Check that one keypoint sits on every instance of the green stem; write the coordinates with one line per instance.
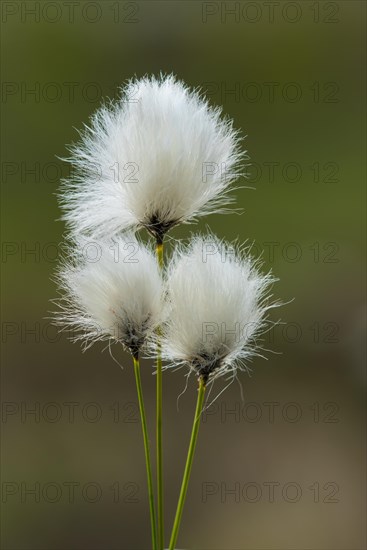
(146, 449)
(159, 253)
(189, 460)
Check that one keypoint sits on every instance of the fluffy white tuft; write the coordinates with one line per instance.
(217, 307)
(157, 157)
(111, 289)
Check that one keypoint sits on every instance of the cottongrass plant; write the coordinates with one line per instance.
(218, 301)
(111, 290)
(159, 156)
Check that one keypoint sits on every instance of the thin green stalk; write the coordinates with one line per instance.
(189, 460)
(159, 253)
(147, 452)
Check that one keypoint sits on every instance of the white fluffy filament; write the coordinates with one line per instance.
(157, 157)
(217, 307)
(111, 290)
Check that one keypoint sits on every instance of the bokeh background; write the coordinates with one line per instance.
(284, 468)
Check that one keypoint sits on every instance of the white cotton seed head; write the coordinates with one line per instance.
(217, 307)
(110, 289)
(158, 157)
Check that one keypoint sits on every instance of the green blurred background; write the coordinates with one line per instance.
(284, 469)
